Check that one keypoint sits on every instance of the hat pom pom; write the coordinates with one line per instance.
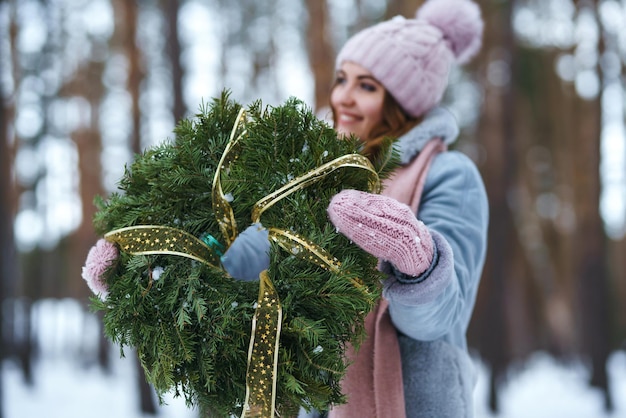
(461, 23)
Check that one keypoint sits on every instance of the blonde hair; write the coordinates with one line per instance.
(395, 123)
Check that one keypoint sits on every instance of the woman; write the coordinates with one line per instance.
(428, 227)
(390, 80)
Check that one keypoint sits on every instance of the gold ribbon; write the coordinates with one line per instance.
(261, 376)
(263, 352)
(221, 208)
(154, 239)
(299, 183)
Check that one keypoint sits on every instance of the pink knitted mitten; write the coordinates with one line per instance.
(385, 228)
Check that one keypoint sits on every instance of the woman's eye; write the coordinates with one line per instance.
(340, 80)
(368, 87)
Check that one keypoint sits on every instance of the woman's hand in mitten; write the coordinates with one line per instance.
(385, 228)
(249, 254)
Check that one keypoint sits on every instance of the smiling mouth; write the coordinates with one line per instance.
(348, 118)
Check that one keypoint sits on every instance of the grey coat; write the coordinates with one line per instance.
(432, 312)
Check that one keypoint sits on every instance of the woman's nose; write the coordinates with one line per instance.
(344, 95)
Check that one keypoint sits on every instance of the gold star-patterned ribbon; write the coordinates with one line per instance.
(221, 208)
(262, 366)
(346, 161)
(263, 352)
(154, 239)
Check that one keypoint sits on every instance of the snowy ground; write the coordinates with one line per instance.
(65, 388)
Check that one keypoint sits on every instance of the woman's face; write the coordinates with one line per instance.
(357, 101)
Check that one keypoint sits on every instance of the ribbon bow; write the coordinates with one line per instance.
(262, 365)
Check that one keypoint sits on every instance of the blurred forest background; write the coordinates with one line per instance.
(85, 84)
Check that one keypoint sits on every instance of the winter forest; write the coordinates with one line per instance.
(87, 84)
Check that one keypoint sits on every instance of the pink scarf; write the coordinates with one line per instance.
(373, 382)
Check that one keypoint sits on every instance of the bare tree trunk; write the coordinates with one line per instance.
(6, 239)
(590, 261)
(21, 341)
(500, 171)
(86, 83)
(7, 248)
(552, 112)
(126, 33)
(135, 73)
(147, 403)
(404, 8)
(171, 8)
(320, 50)
(618, 273)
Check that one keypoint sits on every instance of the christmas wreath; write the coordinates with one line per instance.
(233, 347)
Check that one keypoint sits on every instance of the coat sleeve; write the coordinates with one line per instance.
(455, 209)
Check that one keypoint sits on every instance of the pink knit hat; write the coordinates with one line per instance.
(412, 57)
